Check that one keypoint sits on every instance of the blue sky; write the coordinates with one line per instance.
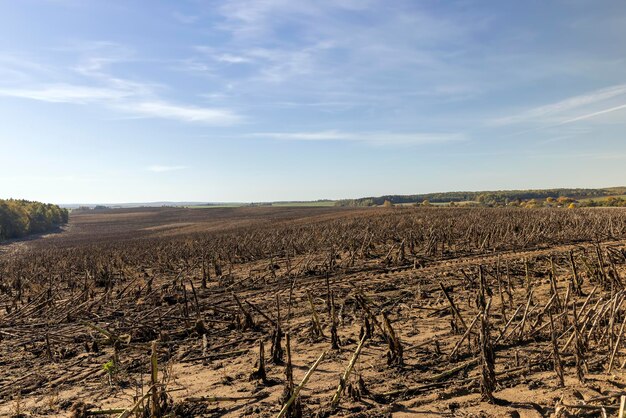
(122, 101)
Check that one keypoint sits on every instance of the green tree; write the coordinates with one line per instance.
(22, 217)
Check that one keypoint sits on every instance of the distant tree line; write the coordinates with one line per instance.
(613, 201)
(486, 198)
(19, 218)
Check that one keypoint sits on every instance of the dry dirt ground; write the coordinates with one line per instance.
(48, 365)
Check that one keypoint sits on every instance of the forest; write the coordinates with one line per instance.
(19, 218)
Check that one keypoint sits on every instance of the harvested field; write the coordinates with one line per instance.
(469, 312)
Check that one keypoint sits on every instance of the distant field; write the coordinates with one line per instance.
(320, 204)
(233, 205)
(324, 203)
(139, 223)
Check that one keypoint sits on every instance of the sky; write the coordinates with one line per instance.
(223, 101)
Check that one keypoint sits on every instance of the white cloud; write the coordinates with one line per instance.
(338, 56)
(165, 110)
(378, 138)
(17, 68)
(232, 59)
(306, 136)
(126, 101)
(594, 114)
(99, 86)
(66, 93)
(165, 168)
(563, 112)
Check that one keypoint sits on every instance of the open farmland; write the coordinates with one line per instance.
(221, 312)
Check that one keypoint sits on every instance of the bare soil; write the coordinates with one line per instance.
(124, 278)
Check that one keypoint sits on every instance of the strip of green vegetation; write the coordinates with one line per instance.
(603, 198)
(19, 218)
(488, 198)
(609, 201)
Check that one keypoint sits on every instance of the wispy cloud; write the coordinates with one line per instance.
(66, 93)
(164, 110)
(378, 138)
(321, 57)
(18, 68)
(165, 168)
(232, 59)
(98, 86)
(594, 114)
(266, 64)
(125, 101)
(568, 110)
